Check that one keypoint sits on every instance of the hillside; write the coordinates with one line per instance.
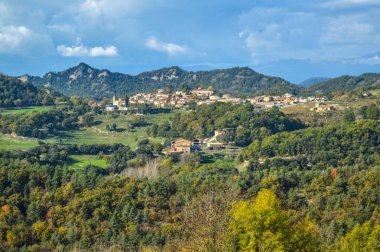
(347, 83)
(18, 92)
(313, 80)
(89, 82)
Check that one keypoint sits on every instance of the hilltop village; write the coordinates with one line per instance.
(199, 96)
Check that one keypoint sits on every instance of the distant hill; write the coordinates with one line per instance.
(16, 92)
(88, 82)
(347, 83)
(313, 80)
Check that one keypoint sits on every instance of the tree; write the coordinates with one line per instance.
(88, 119)
(349, 115)
(126, 100)
(362, 238)
(185, 88)
(264, 226)
(192, 105)
(169, 89)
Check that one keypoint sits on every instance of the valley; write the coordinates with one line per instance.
(152, 171)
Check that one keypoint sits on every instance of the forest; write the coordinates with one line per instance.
(280, 204)
(291, 186)
(241, 123)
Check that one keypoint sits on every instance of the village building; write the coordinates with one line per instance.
(202, 92)
(110, 108)
(180, 146)
(322, 107)
(267, 98)
(118, 102)
(214, 143)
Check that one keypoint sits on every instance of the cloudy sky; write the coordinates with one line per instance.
(292, 39)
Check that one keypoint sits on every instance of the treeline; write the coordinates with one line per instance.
(15, 93)
(241, 123)
(334, 145)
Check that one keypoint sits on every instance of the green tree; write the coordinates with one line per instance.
(349, 115)
(88, 119)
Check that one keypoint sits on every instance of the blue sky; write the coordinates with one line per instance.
(291, 39)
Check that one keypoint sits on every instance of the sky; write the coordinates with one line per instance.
(291, 39)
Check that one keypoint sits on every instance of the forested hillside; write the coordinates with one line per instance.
(347, 83)
(15, 93)
(308, 201)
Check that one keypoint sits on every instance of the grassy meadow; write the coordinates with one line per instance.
(81, 161)
(25, 110)
(98, 134)
(15, 142)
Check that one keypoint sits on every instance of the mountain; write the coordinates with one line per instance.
(313, 80)
(89, 82)
(15, 92)
(347, 83)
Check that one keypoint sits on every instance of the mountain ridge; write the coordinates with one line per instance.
(312, 81)
(86, 81)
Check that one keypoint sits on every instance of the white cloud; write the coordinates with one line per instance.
(105, 10)
(372, 59)
(348, 30)
(11, 37)
(170, 48)
(79, 50)
(280, 34)
(335, 4)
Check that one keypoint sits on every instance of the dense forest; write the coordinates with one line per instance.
(303, 189)
(281, 203)
(15, 93)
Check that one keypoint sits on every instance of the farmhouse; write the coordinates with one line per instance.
(214, 142)
(321, 107)
(180, 146)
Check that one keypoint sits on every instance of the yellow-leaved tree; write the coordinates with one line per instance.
(262, 225)
(362, 238)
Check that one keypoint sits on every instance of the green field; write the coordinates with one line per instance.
(7, 142)
(25, 110)
(81, 161)
(98, 134)
(93, 135)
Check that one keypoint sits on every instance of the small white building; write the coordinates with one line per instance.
(110, 108)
